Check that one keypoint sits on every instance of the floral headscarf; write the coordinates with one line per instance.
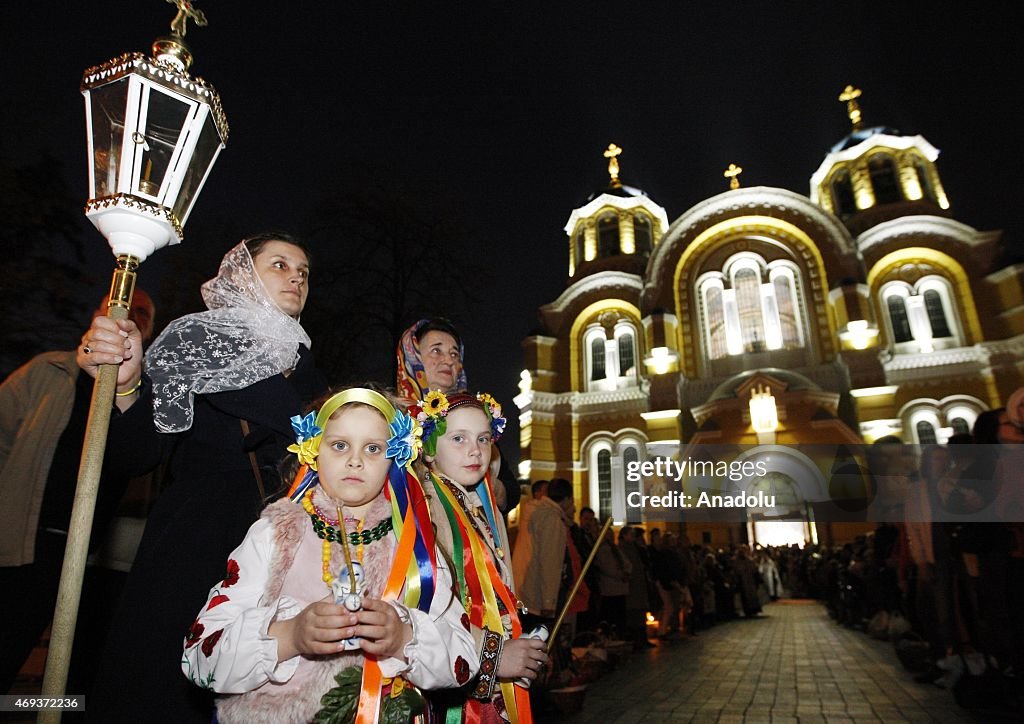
(244, 338)
(412, 378)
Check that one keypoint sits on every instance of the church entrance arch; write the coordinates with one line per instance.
(791, 484)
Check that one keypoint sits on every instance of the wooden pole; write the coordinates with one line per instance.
(579, 581)
(76, 552)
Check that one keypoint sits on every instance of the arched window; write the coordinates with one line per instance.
(627, 354)
(961, 414)
(924, 314)
(842, 194)
(609, 462)
(747, 283)
(610, 357)
(898, 318)
(607, 235)
(642, 234)
(789, 319)
(883, 179)
(927, 190)
(936, 314)
(923, 419)
(714, 316)
(960, 426)
(580, 246)
(750, 306)
(597, 366)
(630, 458)
(926, 433)
(604, 484)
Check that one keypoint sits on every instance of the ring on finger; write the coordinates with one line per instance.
(87, 349)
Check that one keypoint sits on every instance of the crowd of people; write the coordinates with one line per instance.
(635, 572)
(945, 567)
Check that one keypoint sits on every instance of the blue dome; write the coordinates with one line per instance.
(624, 191)
(863, 134)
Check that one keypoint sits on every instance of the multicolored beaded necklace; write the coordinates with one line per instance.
(325, 529)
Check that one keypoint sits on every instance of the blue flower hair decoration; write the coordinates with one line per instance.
(493, 410)
(404, 444)
(307, 439)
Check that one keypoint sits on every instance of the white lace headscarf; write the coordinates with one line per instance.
(242, 339)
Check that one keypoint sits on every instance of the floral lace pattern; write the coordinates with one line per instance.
(243, 338)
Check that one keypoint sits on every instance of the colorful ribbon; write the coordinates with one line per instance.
(481, 587)
(415, 564)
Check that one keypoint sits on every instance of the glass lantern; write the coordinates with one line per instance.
(153, 134)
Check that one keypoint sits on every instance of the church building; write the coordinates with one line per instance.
(769, 323)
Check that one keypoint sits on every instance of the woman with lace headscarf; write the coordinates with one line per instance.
(213, 406)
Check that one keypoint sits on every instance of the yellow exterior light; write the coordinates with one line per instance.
(764, 415)
(859, 335)
(661, 360)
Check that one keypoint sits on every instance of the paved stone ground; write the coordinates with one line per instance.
(794, 664)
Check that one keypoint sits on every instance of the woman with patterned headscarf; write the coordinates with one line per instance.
(429, 357)
(213, 406)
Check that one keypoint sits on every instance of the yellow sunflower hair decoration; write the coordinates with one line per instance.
(435, 404)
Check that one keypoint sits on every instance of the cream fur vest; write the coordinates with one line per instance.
(298, 700)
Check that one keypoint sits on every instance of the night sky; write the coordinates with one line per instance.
(500, 112)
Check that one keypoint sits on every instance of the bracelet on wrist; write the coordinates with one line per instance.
(132, 391)
(490, 656)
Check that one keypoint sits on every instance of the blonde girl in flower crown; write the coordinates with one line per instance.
(337, 598)
(458, 432)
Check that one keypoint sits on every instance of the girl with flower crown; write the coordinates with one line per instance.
(458, 432)
(337, 600)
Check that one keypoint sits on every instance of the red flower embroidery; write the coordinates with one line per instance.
(217, 600)
(195, 632)
(461, 670)
(465, 621)
(232, 577)
(211, 641)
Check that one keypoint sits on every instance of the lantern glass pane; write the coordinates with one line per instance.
(165, 117)
(197, 167)
(108, 104)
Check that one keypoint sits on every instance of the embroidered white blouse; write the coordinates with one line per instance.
(230, 651)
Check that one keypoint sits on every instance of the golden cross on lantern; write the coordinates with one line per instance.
(733, 174)
(849, 96)
(612, 154)
(186, 12)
